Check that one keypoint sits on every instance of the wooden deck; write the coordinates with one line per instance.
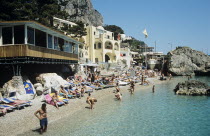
(34, 51)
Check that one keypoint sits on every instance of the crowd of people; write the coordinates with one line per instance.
(78, 86)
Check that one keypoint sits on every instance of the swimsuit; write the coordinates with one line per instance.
(43, 122)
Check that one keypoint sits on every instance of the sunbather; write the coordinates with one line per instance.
(55, 99)
(42, 117)
(63, 91)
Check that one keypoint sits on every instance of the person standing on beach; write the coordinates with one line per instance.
(153, 88)
(91, 101)
(118, 95)
(132, 86)
(42, 117)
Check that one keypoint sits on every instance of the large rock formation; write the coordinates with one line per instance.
(192, 87)
(186, 61)
(16, 85)
(48, 82)
(82, 10)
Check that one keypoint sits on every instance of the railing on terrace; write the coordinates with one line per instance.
(34, 51)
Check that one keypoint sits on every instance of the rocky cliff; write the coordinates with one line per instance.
(82, 10)
(186, 61)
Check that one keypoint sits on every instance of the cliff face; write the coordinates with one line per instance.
(82, 10)
(186, 61)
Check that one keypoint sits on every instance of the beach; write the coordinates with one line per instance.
(24, 120)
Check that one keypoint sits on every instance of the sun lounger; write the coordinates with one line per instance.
(49, 100)
(7, 107)
(61, 98)
(94, 87)
(27, 103)
(68, 95)
(12, 103)
(89, 91)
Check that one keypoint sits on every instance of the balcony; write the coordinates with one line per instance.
(36, 53)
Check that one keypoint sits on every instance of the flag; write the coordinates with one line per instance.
(145, 33)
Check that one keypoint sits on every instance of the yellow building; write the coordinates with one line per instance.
(102, 46)
(99, 44)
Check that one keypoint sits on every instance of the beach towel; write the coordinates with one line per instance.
(48, 99)
(28, 87)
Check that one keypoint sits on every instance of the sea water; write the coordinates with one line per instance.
(143, 114)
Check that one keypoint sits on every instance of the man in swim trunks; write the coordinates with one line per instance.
(132, 86)
(42, 117)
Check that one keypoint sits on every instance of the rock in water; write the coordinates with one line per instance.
(192, 87)
(82, 10)
(186, 61)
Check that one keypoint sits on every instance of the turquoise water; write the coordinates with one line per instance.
(142, 114)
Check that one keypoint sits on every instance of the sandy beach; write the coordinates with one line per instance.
(21, 121)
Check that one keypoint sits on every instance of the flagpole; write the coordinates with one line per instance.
(145, 55)
(146, 35)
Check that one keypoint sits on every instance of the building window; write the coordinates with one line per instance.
(50, 43)
(30, 34)
(19, 34)
(56, 43)
(124, 54)
(66, 46)
(96, 60)
(99, 45)
(40, 37)
(80, 46)
(7, 35)
(70, 47)
(61, 44)
(94, 46)
(94, 33)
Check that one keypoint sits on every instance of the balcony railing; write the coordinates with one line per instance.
(35, 51)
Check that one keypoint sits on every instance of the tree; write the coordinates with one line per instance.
(134, 44)
(115, 29)
(18, 10)
(76, 31)
(42, 11)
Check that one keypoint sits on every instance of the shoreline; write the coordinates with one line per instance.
(23, 121)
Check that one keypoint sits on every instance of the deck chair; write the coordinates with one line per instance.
(94, 87)
(12, 103)
(61, 98)
(27, 103)
(7, 107)
(49, 100)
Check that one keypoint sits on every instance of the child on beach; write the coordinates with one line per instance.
(42, 117)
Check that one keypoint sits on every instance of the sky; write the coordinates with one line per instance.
(169, 23)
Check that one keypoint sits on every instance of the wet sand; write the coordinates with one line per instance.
(21, 121)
